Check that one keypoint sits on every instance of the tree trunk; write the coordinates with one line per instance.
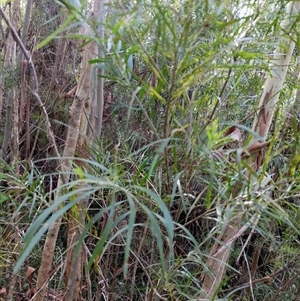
(220, 252)
(74, 265)
(75, 137)
(11, 125)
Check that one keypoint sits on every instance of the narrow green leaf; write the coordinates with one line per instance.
(56, 32)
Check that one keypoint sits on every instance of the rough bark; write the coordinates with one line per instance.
(279, 64)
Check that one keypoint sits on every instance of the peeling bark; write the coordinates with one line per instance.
(74, 266)
(221, 250)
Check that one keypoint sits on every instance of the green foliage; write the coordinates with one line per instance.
(165, 179)
(10, 77)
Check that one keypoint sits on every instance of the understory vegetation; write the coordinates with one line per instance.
(150, 150)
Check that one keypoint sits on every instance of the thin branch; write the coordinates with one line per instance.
(35, 82)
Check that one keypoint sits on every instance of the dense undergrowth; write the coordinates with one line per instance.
(166, 177)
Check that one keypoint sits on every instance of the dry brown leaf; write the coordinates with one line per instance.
(31, 292)
(29, 273)
(235, 135)
(72, 92)
(256, 147)
(229, 131)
